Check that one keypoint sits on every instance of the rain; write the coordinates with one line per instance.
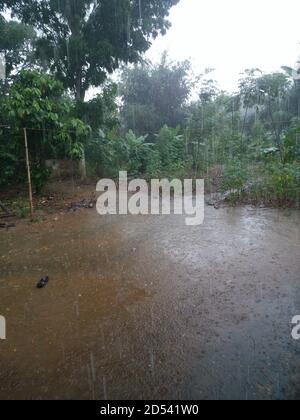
(118, 282)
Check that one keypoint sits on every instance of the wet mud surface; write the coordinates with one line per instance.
(144, 307)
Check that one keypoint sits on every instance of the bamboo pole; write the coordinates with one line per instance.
(28, 173)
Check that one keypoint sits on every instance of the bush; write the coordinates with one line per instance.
(170, 146)
(39, 177)
(278, 185)
(154, 165)
(108, 154)
(235, 177)
(283, 182)
(292, 144)
(37, 101)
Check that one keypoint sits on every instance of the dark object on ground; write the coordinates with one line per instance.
(43, 282)
(83, 204)
(217, 199)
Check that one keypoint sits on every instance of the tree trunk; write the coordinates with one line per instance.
(80, 91)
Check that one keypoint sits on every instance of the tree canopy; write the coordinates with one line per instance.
(15, 43)
(81, 41)
(155, 95)
(37, 102)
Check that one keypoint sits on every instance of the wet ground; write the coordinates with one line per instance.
(144, 307)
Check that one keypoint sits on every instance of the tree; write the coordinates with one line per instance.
(294, 96)
(15, 43)
(102, 111)
(274, 91)
(83, 40)
(37, 102)
(208, 119)
(155, 95)
(249, 94)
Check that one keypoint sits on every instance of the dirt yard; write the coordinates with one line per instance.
(145, 307)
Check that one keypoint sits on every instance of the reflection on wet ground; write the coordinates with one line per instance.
(146, 307)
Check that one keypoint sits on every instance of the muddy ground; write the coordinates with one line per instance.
(144, 307)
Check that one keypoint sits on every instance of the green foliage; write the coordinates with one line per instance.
(251, 139)
(16, 42)
(283, 182)
(110, 154)
(107, 155)
(278, 185)
(101, 112)
(39, 177)
(8, 158)
(71, 138)
(36, 102)
(22, 212)
(154, 168)
(80, 41)
(155, 95)
(137, 153)
(170, 146)
(292, 143)
(235, 176)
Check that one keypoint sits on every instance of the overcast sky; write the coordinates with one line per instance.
(232, 35)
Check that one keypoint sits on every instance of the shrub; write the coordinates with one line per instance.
(235, 177)
(283, 182)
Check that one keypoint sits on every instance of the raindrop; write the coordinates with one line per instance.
(120, 348)
(152, 318)
(141, 14)
(128, 30)
(91, 383)
(93, 367)
(68, 50)
(55, 52)
(104, 389)
(76, 309)
(152, 362)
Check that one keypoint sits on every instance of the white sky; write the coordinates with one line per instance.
(232, 35)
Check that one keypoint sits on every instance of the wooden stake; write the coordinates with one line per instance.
(28, 174)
